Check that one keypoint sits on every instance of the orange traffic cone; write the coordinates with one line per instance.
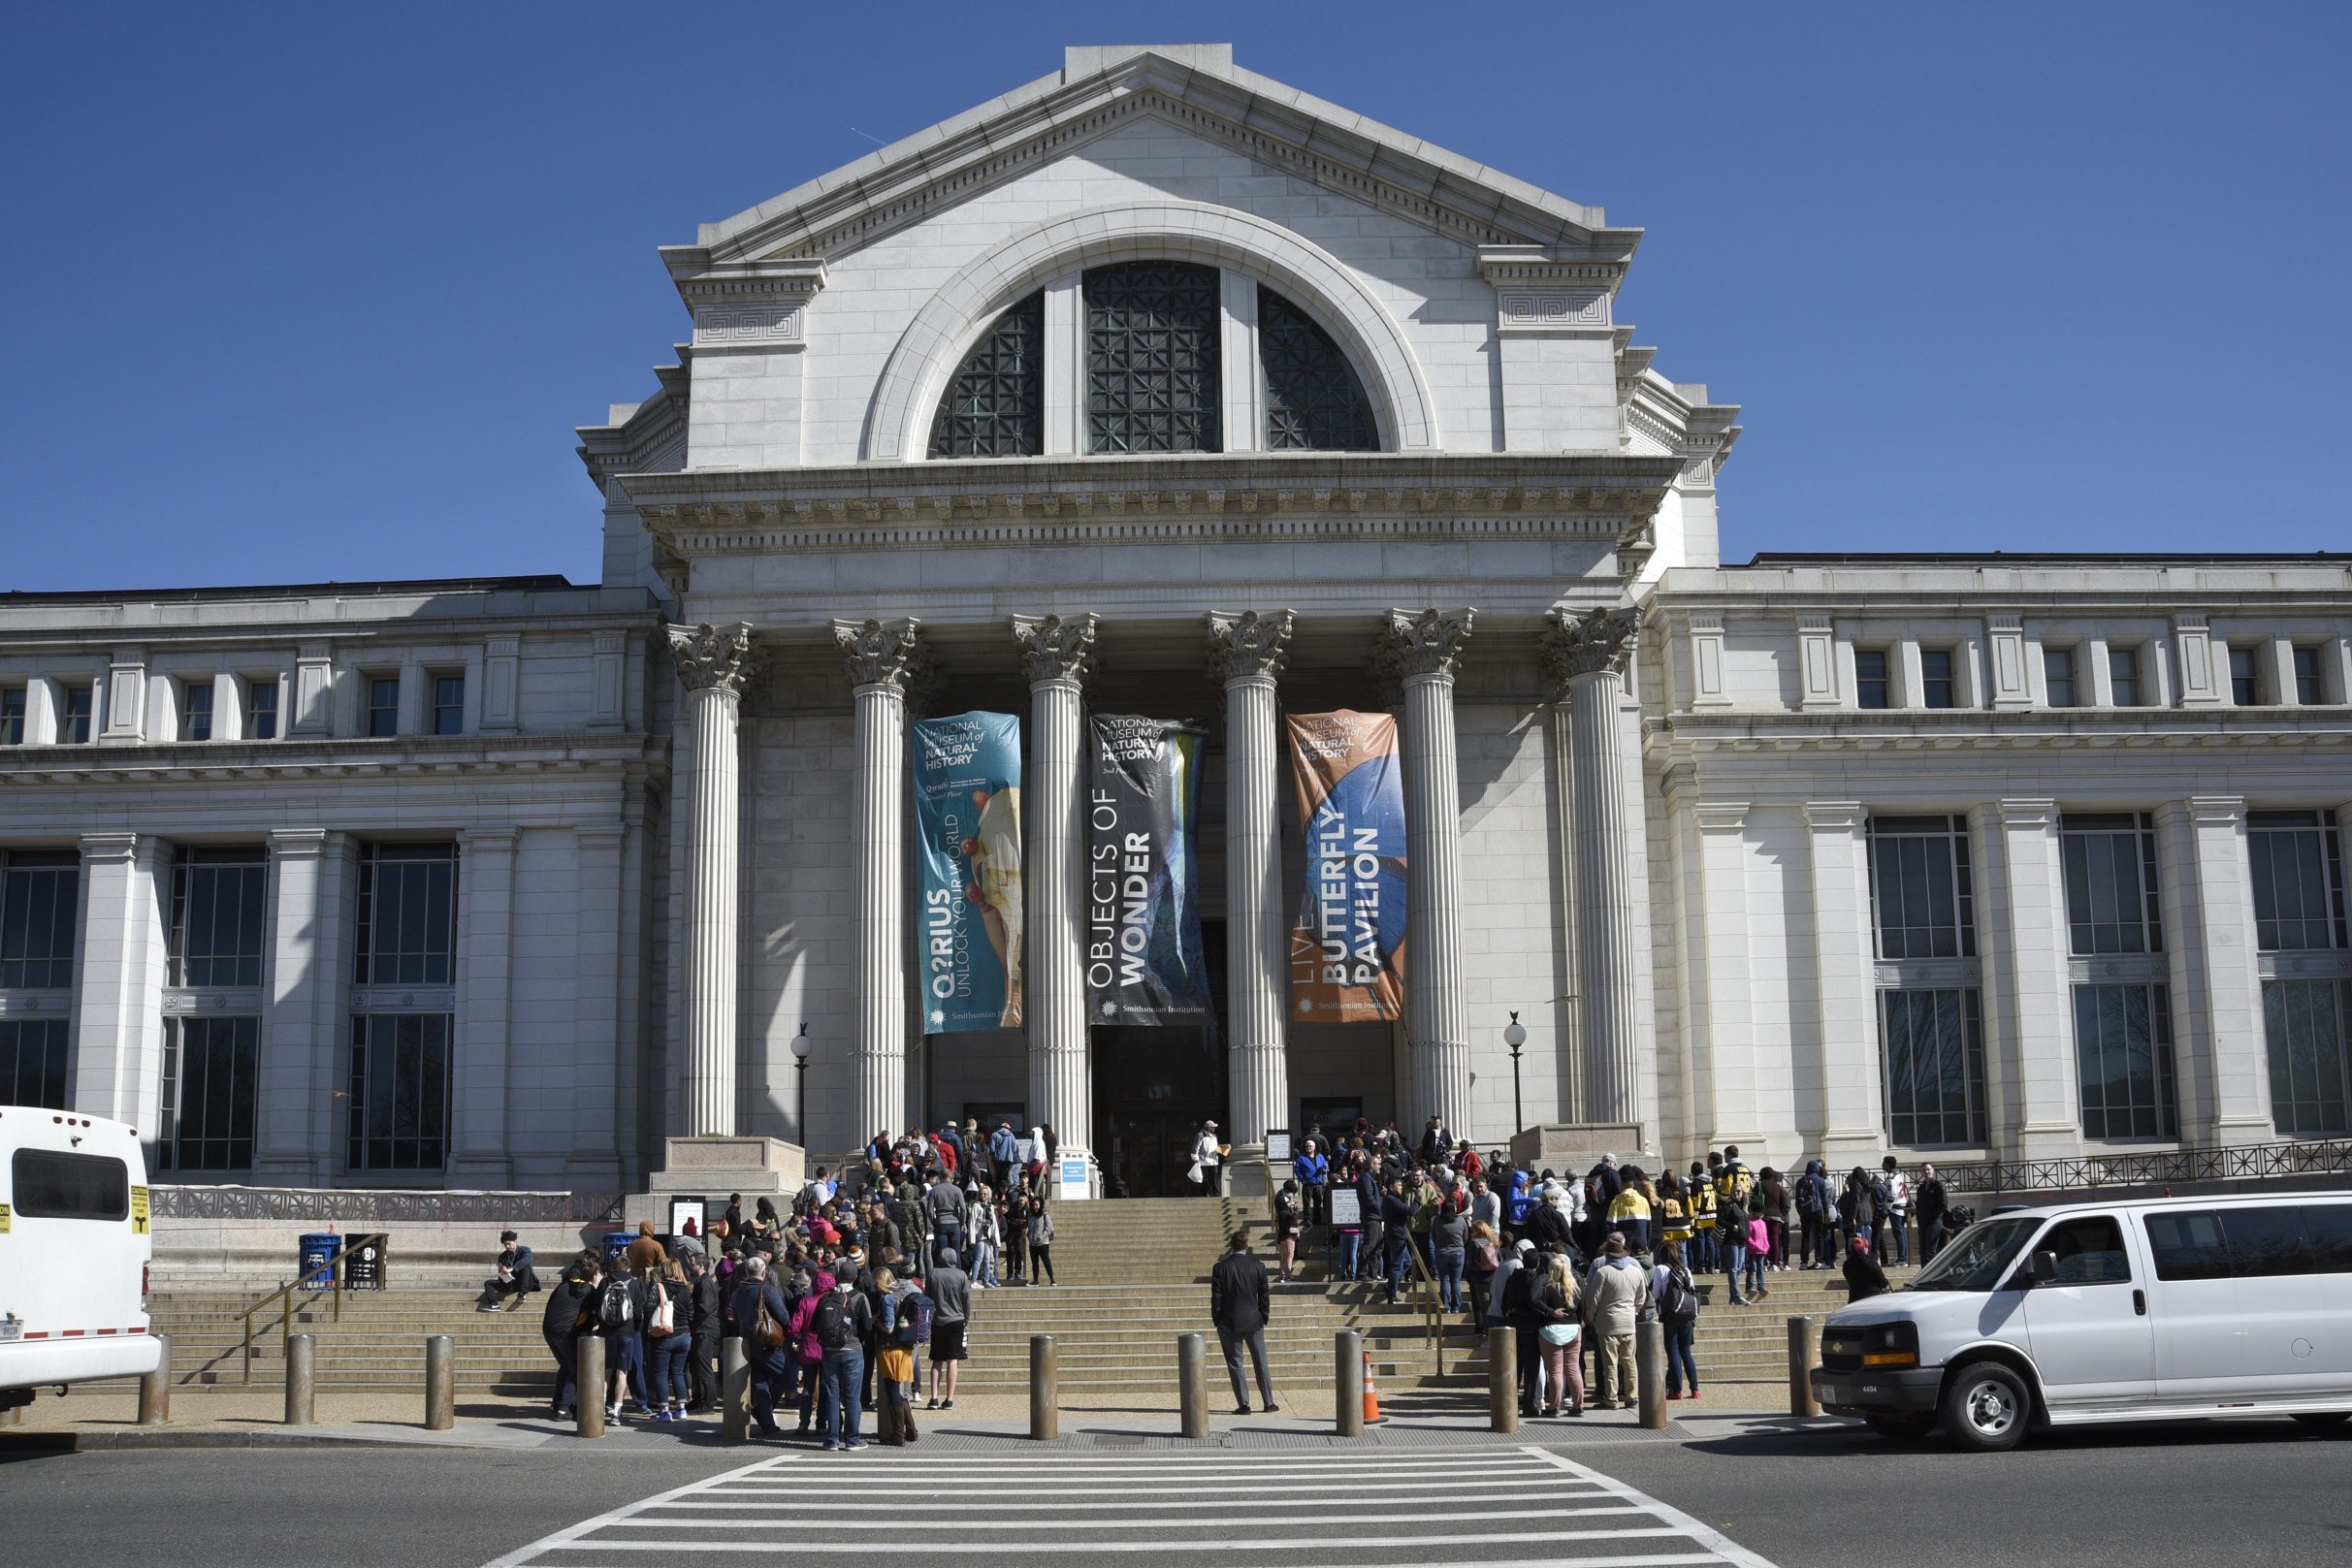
(1371, 1391)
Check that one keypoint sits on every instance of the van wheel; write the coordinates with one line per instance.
(1986, 1407)
(2324, 1420)
(1901, 1429)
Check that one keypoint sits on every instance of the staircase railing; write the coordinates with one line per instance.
(1432, 1310)
(331, 1269)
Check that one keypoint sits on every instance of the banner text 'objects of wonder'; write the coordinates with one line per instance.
(1347, 949)
(1144, 959)
(968, 801)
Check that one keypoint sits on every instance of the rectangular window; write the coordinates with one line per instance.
(2252, 1242)
(196, 714)
(39, 907)
(73, 715)
(1870, 689)
(32, 1061)
(400, 1092)
(1920, 896)
(2123, 1055)
(2245, 678)
(261, 710)
(2304, 1022)
(449, 705)
(2308, 690)
(52, 1185)
(1937, 688)
(2299, 881)
(11, 715)
(1932, 1050)
(2089, 1250)
(218, 901)
(2123, 675)
(407, 914)
(2110, 884)
(383, 705)
(208, 1066)
(2058, 676)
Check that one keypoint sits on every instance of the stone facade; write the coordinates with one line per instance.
(1660, 805)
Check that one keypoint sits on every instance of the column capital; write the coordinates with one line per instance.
(718, 658)
(1248, 646)
(601, 835)
(2218, 810)
(1834, 815)
(1598, 642)
(298, 842)
(499, 839)
(1056, 647)
(2029, 812)
(108, 847)
(1423, 643)
(881, 653)
(1721, 815)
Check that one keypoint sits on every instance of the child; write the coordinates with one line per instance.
(1759, 1251)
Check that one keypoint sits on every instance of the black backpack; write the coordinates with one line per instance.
(832, 1321)
(1679, 1300)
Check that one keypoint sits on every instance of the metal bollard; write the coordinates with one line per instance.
(1347, 1382)
(440, 1383)
(735, 1391)
(588, 1393)
(1045, 1390)
(301, 1407)
(1804, 1353)
(1192, 1384)
(1650, 1372)
(155, 1387)
(1502, 1378)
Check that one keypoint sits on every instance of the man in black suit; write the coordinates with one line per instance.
(1240, 1301)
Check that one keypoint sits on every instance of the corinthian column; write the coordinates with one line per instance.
(715, 663)
(1245, 652)
(883, 656)
(1419, 652)
(1056, 654)
(1586, 658)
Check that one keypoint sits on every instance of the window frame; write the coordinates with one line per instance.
(16, 710)
(76, 710)
(2245, 675)
(445, 716)
(2052, 679)
(61, 870)
(257, 714)
(241, 1094)
(1864, 681)
(1896, 833)
(2123, 672)
(425, 965)
(436, 1032)
(195, 709)
(374, 711)
(1949, 682)
(2306, 663)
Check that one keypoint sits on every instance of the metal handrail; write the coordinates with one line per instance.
(283, 1296)
(2314, 1157)
(1432, 1311)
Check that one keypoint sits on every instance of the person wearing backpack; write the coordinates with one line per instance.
(841, 1322)
(906, 1324)
(1814, 1201)
(621, 1308)
(571, 1315)
(1677, 1295)
(760, 1315)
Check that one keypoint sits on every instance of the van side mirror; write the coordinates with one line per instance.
(2042, 1268)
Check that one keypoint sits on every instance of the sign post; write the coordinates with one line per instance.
(1278, 1145)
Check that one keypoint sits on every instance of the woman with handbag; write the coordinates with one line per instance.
(668, 1337)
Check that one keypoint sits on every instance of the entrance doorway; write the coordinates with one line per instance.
(1153, 1088)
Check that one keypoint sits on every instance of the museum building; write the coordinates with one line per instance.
(1155, 386)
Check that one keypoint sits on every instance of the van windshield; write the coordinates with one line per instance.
(1981, 1259)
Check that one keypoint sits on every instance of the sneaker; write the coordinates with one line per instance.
(853, 1446)
(931, 1403)
(831, 1445)
(1274, 1410)
(1672, 1394)
(1241, 1410)
(946, 1404)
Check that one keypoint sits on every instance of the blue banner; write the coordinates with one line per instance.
(968, 801)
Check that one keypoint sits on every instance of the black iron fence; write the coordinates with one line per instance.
(381, 1207)
(2250, 1162)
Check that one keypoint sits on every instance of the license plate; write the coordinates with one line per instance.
(11, 1328)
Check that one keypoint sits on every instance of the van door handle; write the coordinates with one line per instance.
(2138, 1301)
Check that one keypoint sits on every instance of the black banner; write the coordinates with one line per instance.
(1143, 961)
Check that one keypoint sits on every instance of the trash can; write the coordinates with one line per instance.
(312, 1254)
(616, 1242)
(364, 1266)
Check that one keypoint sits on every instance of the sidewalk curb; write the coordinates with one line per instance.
(89, 1442)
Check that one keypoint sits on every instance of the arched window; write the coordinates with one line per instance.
(995, 406)
(1313, 401)
(1152, 330)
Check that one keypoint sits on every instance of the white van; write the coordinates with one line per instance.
(2126, 1311)
(75, 1240)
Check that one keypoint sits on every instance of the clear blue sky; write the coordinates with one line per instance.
(297, 293)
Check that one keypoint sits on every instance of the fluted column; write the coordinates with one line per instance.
(1245, 653)
(1056, 653)
(1587, 656)
(884, 657)
(1420, 651)
(715, 663)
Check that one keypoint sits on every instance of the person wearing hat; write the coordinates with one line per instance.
(1207, 1153)
(1616, 1294)
(1865, 1278)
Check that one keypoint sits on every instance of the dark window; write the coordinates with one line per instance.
(1932, 1046)
(262, 701)
(1870, 676)
(2111, 904)
(383, 705)
(1920, 888)
(2058, 676)
(1936, 687)
(11, 715)
(208, 1066)
(400, 1092)
(1313, 401)
(407, 914)
(52, 1185)
(2245, 678)
(40, 904)
(2307, 688)
(995, 406)
(2091, 1251)
(2123, 675)
(2188, 1246)
(2299, 881)
(218, 897)
(449, 705)
(196, 725)
(2123, 1055)
(2304, 1026)
(1152, 340)
(2253, 1242)
(74, 717)
(32, 1061)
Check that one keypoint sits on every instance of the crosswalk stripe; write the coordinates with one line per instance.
(1121, 1505)
(1722, 1545)
(1285, 1543)
(1433, 1491)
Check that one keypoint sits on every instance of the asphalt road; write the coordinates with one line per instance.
(2251, 1493)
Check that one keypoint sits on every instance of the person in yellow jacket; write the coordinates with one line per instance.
(1702, 1219)
(1629, 1212)
(1673, 1213)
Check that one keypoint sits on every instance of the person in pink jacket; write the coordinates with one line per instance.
(1759, 1251)
(807, 1355)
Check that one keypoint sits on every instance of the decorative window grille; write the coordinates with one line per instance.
(1313, 401)
(995, 406)
(1153, 334)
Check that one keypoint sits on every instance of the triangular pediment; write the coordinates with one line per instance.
(1196, 87)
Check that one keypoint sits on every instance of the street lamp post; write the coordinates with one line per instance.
(802, 1048)
(1516, 1036)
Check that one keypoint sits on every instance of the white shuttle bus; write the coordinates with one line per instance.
(75, 1240)
(2153, 1310)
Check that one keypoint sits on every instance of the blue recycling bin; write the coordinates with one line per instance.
(616, 1242)
(313, 1252)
